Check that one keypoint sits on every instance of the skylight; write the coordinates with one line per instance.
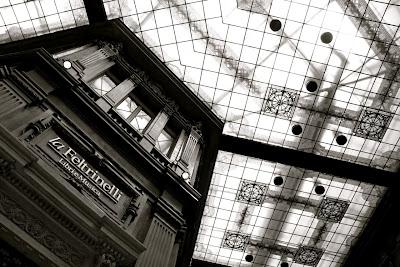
(21, 19)
(277, 213)
(325, 68)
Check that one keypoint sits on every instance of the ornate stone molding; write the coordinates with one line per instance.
(51, 210)
(5, 167)
(98, 243)
(38, 230)
(106, 260)
(34, 129)
(132, 209)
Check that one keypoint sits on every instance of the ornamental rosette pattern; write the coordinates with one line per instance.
(280, 102)
(235, 240)
(372, 124)
(251, 192)
(308, 255)
(332, 210)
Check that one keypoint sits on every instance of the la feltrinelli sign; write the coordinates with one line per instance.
(82, 172)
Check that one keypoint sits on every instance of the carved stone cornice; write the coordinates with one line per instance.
(51, 210)
(38, 230)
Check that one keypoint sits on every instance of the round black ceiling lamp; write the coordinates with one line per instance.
(312, 86)
(326, 37)
(275, 25)
(341, 140)
(297, 129)
(319, 189)
(278, 180)
(249, 258)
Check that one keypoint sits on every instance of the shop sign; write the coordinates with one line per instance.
(82, 172)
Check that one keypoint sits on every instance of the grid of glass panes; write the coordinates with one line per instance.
(234, 64)
(20, 19)
(284, 224)
(139, 119)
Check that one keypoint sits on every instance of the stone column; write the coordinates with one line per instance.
(190, 146)
(159, 243)
(118, 94)
(189, 149)
(177, 245)
(156, 126)
(179, 146)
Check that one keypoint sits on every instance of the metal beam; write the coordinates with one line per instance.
(95, 11)
(309, 161)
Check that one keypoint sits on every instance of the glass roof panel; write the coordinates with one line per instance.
(21, 19)
(319, 76)
(277, 213)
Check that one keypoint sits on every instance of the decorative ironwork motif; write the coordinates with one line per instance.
(332, 210)
(251, 192)
(280, 102)
(373, 124)
(308, 255)
(235, 240)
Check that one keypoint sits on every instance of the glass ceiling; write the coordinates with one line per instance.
(20, 19)
(315, 75)
(319, 76)
(277, 213)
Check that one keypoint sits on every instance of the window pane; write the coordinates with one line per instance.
(102, 85)
(140, 121)
(126, 107)
(164, 142)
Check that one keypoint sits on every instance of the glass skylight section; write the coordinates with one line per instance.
(251, 61)
(21, 19)
(260, 213)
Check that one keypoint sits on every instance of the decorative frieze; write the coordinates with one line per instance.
(38, 230)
